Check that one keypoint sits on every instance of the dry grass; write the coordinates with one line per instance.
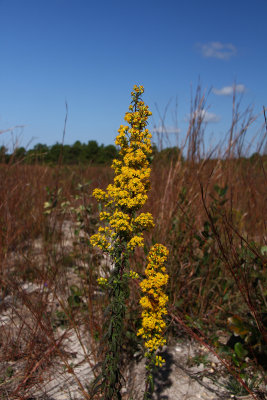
(212, 275)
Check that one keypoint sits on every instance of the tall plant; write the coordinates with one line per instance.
(120, 233)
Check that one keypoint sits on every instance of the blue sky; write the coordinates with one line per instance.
(91, 53)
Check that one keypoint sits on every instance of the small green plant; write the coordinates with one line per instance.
(60, 319)
(54, 195)
(75, 298)
(78, 208)
(233, 386)
(9, 372)
(249, 341)
(198, 359)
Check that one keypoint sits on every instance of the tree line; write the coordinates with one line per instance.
(77, 153)
(90, 153)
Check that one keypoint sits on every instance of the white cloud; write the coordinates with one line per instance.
(222, 51)
(229, 90)
(206, 116)
(166, 129)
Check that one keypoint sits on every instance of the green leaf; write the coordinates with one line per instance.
(240, 351)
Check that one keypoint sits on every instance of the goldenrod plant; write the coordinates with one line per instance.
(121, 231)
(153, 303)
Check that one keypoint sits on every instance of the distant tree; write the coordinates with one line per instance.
(20, 153)
(76, 153)
(106, 154)
(255, 157)
(91, 151)
(71, 154)
(39, 153)
(3, 154)
(54, 152)
(170, 154)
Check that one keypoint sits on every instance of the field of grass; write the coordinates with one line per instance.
(209, 212)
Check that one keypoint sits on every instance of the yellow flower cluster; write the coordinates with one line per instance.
(102, 281)
(100, 239)
(128, 193)
(144, 221)
(133, 274)
(99, 194)
(120, 222)
(136, 241)
(154, 299)
(159, 361)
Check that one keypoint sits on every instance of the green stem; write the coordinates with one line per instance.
(149, 388)
(111, 369)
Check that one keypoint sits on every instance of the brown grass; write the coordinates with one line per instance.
(203, 269)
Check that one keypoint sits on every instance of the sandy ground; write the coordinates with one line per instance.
(178, 379)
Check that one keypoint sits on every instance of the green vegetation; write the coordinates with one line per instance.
(78, 153)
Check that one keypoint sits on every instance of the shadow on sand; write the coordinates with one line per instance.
(162, 376)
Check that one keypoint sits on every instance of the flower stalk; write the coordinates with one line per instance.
(121, 231)
(153, 303)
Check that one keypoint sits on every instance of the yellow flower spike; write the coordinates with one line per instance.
(128, 192)
(154, 299)
(121, 231)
